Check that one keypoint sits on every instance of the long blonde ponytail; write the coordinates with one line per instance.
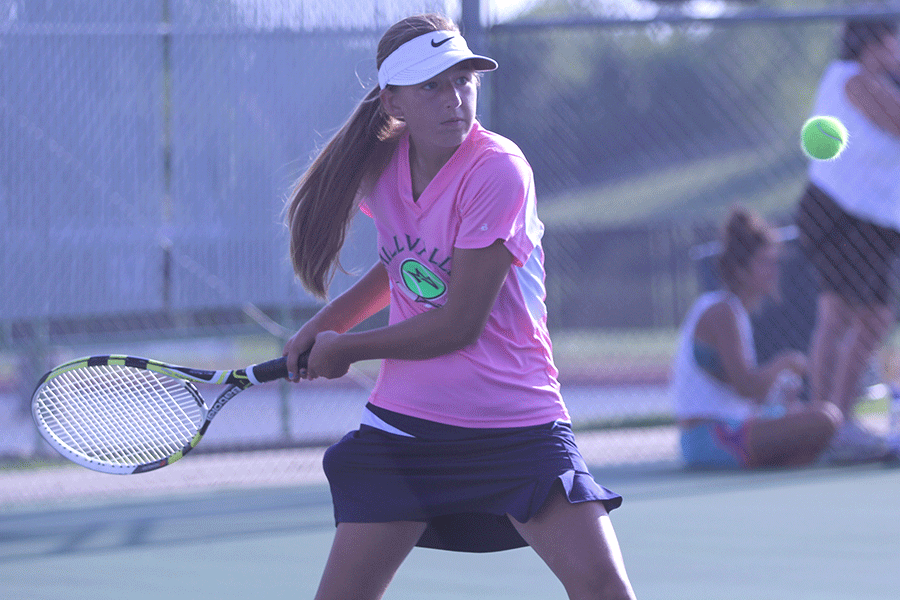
(324, 200)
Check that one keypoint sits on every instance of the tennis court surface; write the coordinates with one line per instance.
(816, 533)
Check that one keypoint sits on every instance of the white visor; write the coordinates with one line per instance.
(423, 57)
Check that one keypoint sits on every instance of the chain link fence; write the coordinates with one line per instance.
(147, 148)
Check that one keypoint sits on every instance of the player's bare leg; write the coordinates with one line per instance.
(364, 558)
(870, 326)
(579, 545)
(833, 318)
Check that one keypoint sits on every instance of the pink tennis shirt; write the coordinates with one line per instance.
(485, 192)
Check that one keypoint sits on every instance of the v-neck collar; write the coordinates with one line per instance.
(433, 190)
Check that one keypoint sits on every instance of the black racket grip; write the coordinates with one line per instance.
(276, 369)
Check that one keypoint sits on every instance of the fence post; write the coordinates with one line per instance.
(477, 40)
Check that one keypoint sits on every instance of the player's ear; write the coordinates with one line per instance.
(390, 104)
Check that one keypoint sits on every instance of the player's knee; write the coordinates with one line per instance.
(830, 417)
(874, 325)
(832, 326)
(833, 316)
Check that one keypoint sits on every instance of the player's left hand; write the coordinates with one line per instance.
(326, 359)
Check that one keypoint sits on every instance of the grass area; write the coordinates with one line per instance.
(700, 189)
(633, 353)
(623, 423)
(580, 344)
(873, 406)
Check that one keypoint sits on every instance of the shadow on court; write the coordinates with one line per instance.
(222, 518)
(818, 533)
(244, 544)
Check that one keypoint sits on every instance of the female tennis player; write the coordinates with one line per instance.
(465, 443)
(849, 225)
(727, 405)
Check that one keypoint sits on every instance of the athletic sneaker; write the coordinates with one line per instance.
(853, 443)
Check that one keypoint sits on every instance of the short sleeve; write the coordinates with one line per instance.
(498, 202)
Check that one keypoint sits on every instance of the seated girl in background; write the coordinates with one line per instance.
(733, 412)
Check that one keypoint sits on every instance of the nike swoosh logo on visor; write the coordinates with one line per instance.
(444, 41)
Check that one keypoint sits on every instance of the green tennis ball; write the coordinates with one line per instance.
(823, 138)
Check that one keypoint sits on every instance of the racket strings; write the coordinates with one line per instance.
(152, 414)
(85, 422)
(108, 425)
(82, 420)
(120, 415)
(141, 410)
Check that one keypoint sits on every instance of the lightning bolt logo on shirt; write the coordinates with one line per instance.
(421, 280)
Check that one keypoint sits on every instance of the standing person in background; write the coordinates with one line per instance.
(465, 443)
(849, 221)
(733, 412)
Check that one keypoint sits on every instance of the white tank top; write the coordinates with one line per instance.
(695, 393)
(865, 179)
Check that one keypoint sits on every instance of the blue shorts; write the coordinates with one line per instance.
(716, 444)
(462, 482)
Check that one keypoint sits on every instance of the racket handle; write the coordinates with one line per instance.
(275, 369)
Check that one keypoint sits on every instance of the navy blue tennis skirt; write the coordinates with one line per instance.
(462, 482)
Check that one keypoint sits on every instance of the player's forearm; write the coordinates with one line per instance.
(424, 336)
(365, 298)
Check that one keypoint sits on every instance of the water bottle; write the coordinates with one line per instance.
(784, 389)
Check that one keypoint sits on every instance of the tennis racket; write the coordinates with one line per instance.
(124, 414)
